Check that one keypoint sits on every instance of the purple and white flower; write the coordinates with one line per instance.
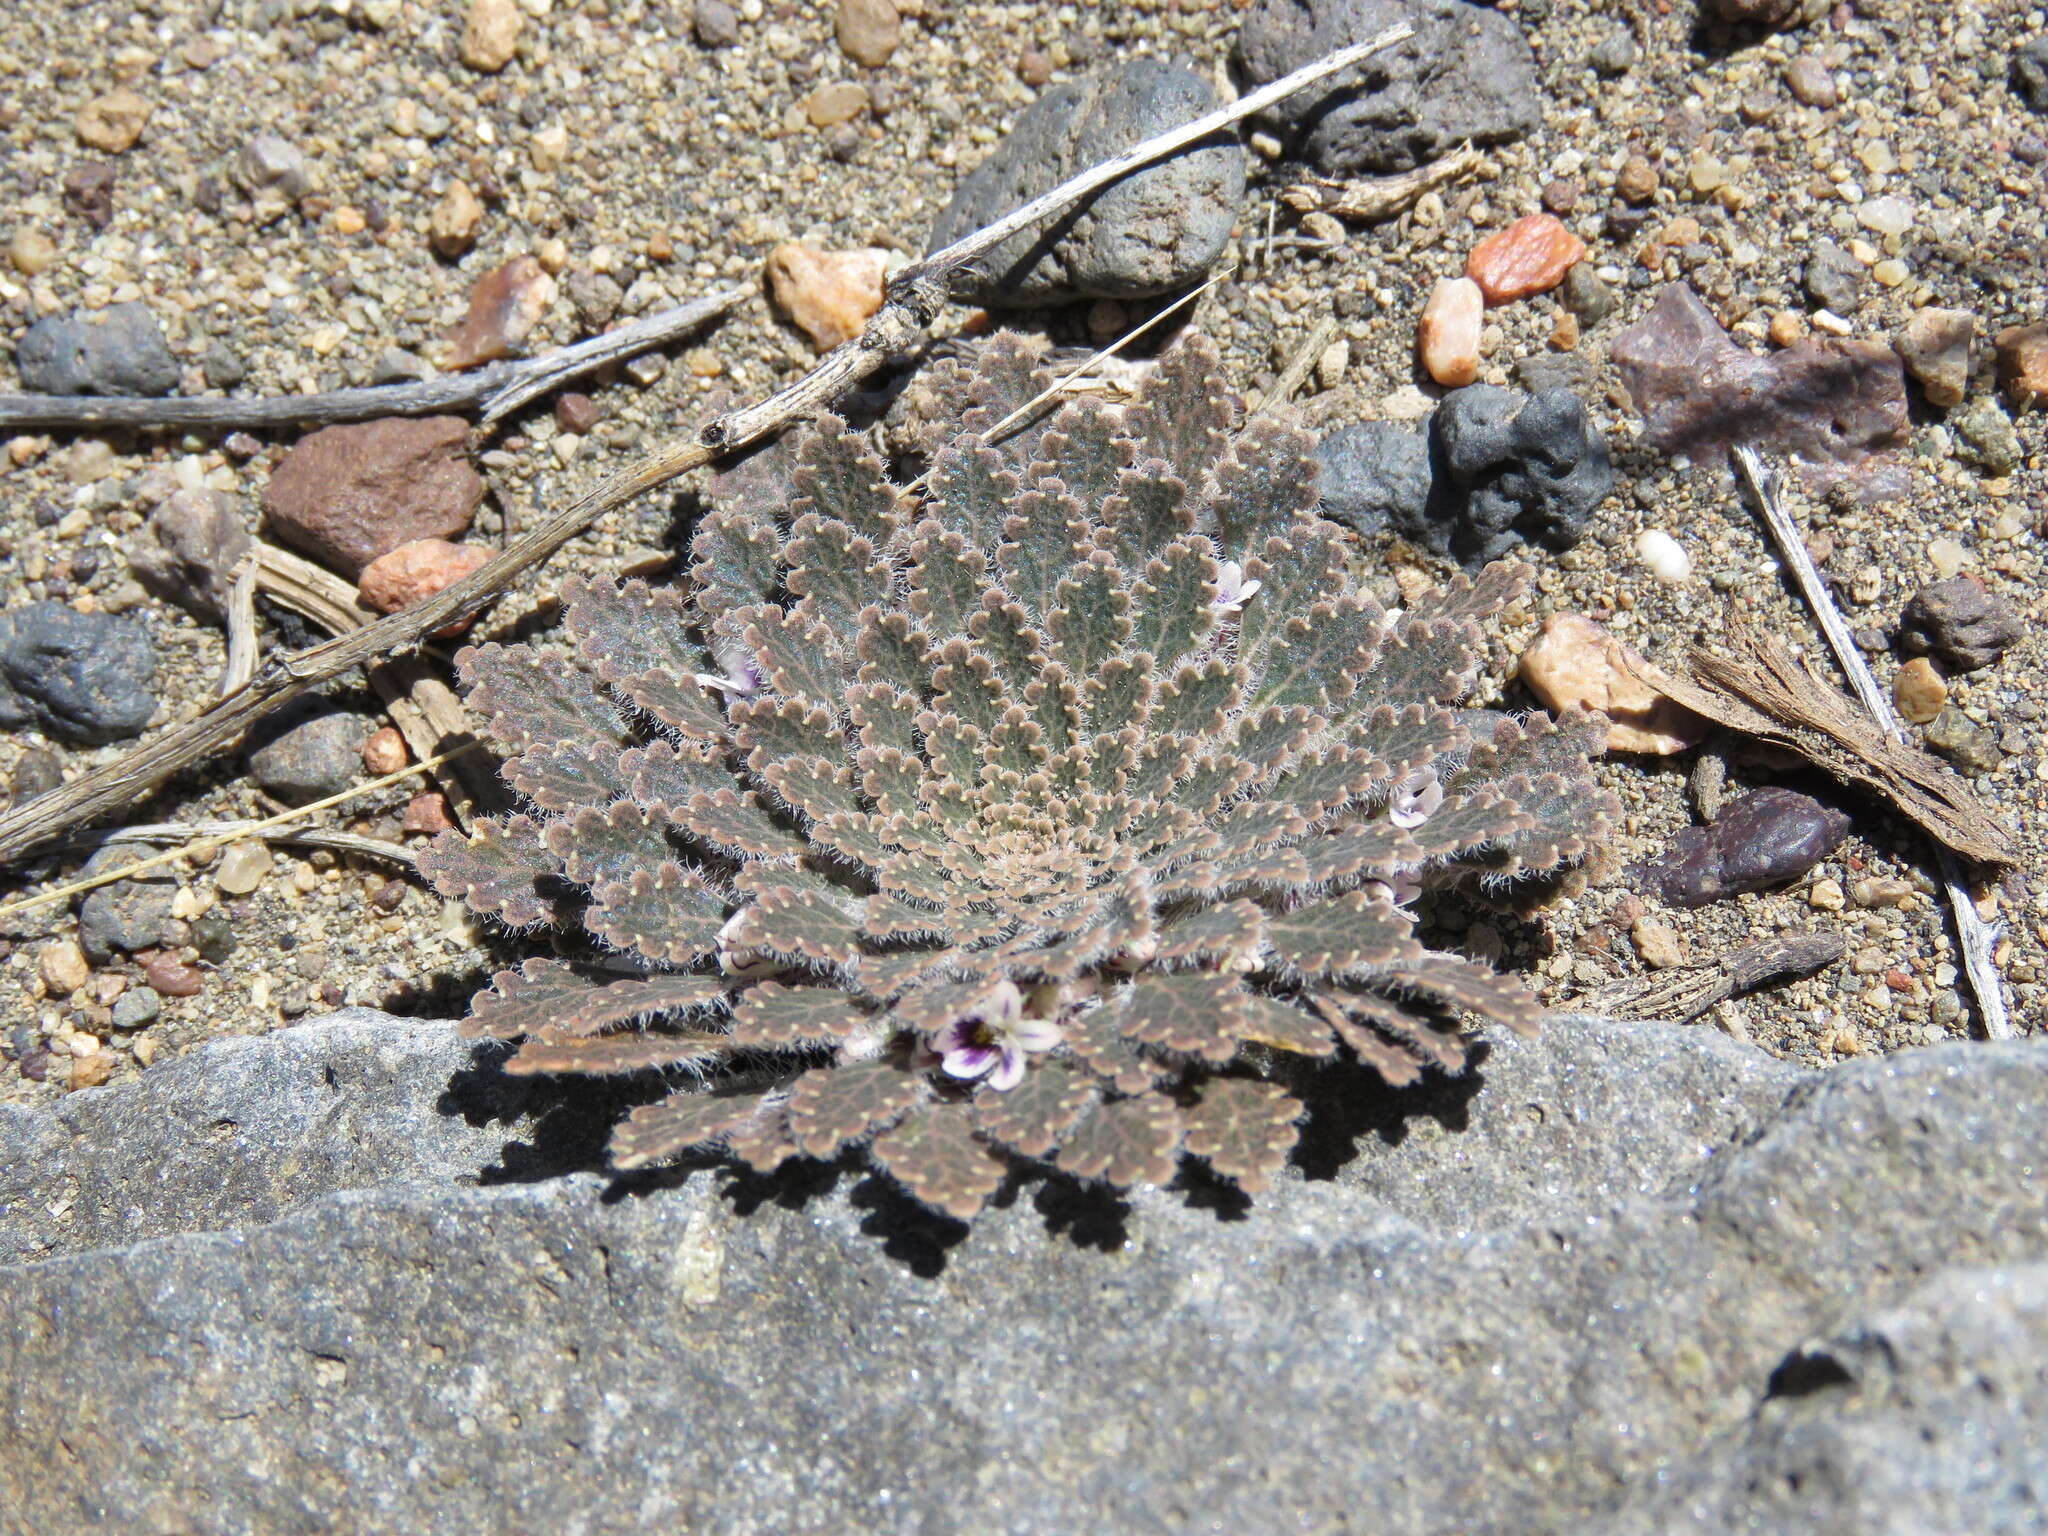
(738, 672)
(1400, 889)
(993, 1041)
(1417, 797)
(1232, 590)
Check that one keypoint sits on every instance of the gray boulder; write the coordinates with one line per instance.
(86, 677)
(1157, 230)
(1467, 74)
(122, 352)
(1536, 1298)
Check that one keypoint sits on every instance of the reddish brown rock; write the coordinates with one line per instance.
(419, 570)
(829, 295)
(170, 975)
(427, 813)
(1839, 405)
(1530, 256)
(577, 413)
(346, 495)
(504, 307)
(2023, 363)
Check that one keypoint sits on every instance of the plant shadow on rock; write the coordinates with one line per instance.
(1347, 1102)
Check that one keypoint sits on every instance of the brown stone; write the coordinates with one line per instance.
(1576, 662)
(577, 413)
(869, 31)
(828, 295)
(384, 752)
(1659, 944)
(93, 1070)
(1919, 691)
(1447, 336)
(1637, 181)
(346, 495)
(418, 570)
(1530, 256)
(452, 227)
(2023, 363)
(490, 34)
(504, 307)
(1811, 82)
(170, 975)
(1836, 404)
(112, 122)
(427, 813)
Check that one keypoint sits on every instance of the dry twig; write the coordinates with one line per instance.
(1380, 197)
(1298, 366)
(915, 300)
(1683, 993)
(1954, 808)
(500, 388)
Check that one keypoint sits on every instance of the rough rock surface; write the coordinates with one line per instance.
(1513, 468)
(1466, 74)
(1375, 475)
(129, 914)
(121, 352)
(1830, 402)
(86, 677)
(1150, 233)
(1545, 1297)
(1961, 621)
(346, 495)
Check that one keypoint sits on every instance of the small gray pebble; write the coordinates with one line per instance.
(1984, 437)
(271, 160)
(137, 1007)
(187, 551)
(2029, 72)
(223, 366)
(307, 752)
(1964, 624)
(715, 24)
(126, 915)
(1834, 279)
(1587, 295)
(120, 353)
(1973, 748)
(1615, 54)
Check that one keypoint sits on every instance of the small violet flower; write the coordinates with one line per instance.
(1232, 590)
(1399, 889)
(1416, 798)
(992, 1041)
(739, 673)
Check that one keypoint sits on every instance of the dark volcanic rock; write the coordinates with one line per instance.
(129, 914)
(2030, 73)
(86, 677)
(1962, 623)
(1774, 14)
(1512, 468)
(1466, 75)
(1544, 1298)
(1760, 839)
(1375, 476)
(1833, 278)
(121, 352)
(1150, 233)
(1828, 401)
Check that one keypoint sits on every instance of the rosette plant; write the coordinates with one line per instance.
(1022, 812)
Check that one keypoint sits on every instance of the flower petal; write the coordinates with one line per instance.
(1009, 1072)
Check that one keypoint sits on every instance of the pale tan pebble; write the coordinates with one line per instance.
(1919, 691)
(703, 363)
(1657, 943)
(553, 256)
(1332, 363)
(838, 102)
(348, 220)
(1574, 662)
(1448, 335)
(305, 879)
(452, 227)
(384, 752)
(112, 122)
(1827, 320)
(63, 967)
(548, 149)
(1825, 895)
(490, 34)
(1948, 556)
(31, 252)
(828, 295)
(242, 869)
(1880, 891)
(144, 1050)
(869, 31)
(1788, 328)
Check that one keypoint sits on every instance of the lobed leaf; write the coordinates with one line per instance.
(1245, 1129)
(935, 1156)
(1132, 1141)
(502, 869)
(831, 1106)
